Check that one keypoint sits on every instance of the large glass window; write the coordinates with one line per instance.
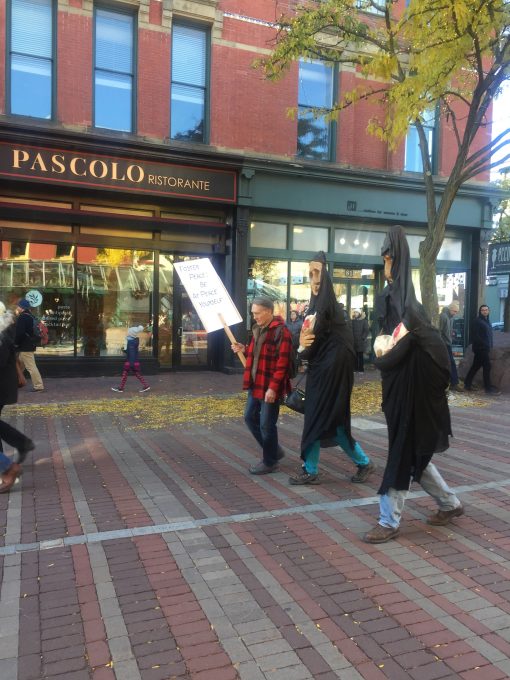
(413, 160)
(315, 94)
(114, 292)
(359, 242)
(114, 70)
(34, 271)
(451, 250)
(268, 235)
(31, 58)
(310, 238)
(269, 279)
(189, 83)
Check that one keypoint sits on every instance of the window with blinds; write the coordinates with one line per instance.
(315, 101)
(188, 101)
(413, 160)
(31, 57)
(113, 70)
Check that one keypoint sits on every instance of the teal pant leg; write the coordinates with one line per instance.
(356, 454)
(312, 455)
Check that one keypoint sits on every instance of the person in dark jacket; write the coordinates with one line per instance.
(26, 343)
(294, 325)
(482, 342)
(360, 332)
(266, 379)
(415, 375)
(132, 362)
(328, 347)
(9, 470)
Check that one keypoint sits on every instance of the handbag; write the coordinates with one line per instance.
(295, 399)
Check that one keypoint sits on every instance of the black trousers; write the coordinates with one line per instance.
(481, 360)
(360, 364)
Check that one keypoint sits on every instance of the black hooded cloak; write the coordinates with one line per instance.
(330, 373)
(415, 375)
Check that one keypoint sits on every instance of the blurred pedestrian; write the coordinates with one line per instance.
(132, 363)
(294, 325)
(266, 379)
(360, 332)
(415, 373)
(9, 470)
(482, 342)
(327, 344)
(446, 329)
(26, 343)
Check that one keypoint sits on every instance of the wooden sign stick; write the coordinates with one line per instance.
(232, 339)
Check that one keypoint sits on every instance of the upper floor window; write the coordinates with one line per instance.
(413, 159)
(31, 57)
(315, 92)
(114, 70)
(189, 83)
(371, 6)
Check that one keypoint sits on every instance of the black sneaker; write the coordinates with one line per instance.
(23, 452)
(117, 389)
(493, 391)
(304, 477)
(145, 389)
(362, 473)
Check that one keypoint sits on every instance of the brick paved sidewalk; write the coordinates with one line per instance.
(151, 554)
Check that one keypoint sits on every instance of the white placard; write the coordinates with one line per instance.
(207, 293)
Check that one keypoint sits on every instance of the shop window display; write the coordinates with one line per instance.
(267, 278)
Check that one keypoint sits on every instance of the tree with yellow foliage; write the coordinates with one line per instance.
(450, 55)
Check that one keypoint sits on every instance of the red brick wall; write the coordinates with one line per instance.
(74, 69)
(153, 83)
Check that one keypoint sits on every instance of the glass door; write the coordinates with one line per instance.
(182, 340)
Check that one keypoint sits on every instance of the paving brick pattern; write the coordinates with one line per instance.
(152, 554)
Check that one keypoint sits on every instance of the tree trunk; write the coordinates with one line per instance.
(428, 286)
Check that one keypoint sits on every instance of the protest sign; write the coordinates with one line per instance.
(209, 296)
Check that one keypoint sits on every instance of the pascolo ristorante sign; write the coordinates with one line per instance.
(77, 169)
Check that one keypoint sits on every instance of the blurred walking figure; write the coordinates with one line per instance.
(482, 344)
(360, 332)
(26, 343)
(9, 470)
(294, 325)
(445, 328)
(132, 363)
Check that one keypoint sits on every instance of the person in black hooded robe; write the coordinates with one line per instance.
(415, 377)
(329, 350)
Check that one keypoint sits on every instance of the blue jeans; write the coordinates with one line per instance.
(312, 452)
(391, 504)
(261, 419)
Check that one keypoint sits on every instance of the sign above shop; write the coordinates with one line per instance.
(96, 171)
(499, 258)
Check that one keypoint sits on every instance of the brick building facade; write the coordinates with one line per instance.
(135, 134)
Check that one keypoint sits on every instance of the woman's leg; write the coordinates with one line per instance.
(355, 453)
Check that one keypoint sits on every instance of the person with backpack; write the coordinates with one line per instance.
(27, 340)
(9, 470)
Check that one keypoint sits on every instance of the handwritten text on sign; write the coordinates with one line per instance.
(207, 293)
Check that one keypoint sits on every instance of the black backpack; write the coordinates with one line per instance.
(293, 359)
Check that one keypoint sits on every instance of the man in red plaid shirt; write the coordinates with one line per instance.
(266, 377)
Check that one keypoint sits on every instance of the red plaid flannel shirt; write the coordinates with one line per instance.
(273, 364)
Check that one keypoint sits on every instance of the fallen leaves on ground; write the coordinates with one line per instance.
(158, 412)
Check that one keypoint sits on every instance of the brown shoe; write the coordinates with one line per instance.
(442, 517)
(380, 534)
(9, 477)
(363, 473)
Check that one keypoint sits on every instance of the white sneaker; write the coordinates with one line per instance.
(145, 389)
(117, 389)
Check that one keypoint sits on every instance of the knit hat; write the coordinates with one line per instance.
(24, 304)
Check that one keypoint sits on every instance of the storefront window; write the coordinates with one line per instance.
(114, 292)
(451, 250)
(35, 271)
(299, 287)
(351, 242)
(267, 278)
(268, 235)
(310, 238)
